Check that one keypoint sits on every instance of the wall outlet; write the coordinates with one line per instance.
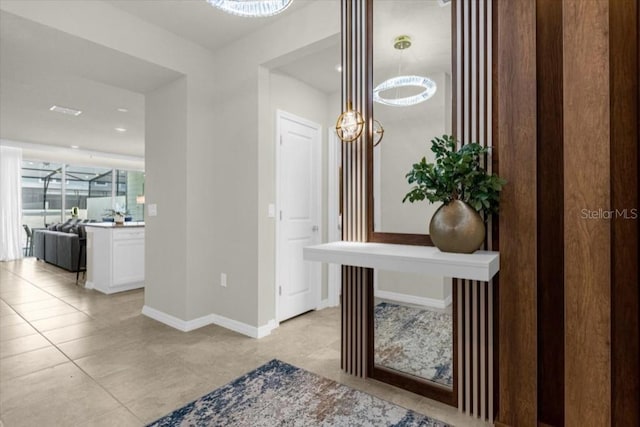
(223, 280)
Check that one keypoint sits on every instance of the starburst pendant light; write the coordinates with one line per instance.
(427, 85)
(251, 8)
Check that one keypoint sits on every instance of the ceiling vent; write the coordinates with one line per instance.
(65, 110)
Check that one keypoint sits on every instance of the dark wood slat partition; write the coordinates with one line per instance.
(354, 279)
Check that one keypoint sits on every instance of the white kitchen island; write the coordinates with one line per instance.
(115, 256)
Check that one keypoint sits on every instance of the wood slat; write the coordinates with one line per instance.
(624, 20)
(550, 196)
(587, 185)
(515, 119)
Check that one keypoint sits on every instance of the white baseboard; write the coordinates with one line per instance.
(210, 319)
(325, 303)
(265, 330)
(411, 299)
(243, 328)
(169, 320)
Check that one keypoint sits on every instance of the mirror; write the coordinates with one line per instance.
(412, 317)
(413, 326)
(412, 101)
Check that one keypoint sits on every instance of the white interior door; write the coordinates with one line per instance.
(299, 159)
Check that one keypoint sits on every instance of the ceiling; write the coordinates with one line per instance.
(198, 21)
(317, 69)
(429, 26)
(40, 67)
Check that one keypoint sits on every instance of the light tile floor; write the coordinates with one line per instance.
(71, 356)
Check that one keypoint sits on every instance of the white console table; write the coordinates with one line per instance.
(115, 256)
(481, 265)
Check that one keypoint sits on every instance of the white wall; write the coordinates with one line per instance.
(166, 237)
(245, 69)
(407, 136)
(204, 165)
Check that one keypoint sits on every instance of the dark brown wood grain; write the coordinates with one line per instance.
(550, 199)
(624, 71)
(516, 134)
(587, 185)
(495, 224)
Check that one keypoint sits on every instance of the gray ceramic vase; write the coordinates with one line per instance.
(457, 227)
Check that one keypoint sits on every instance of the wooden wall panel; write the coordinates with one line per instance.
(624, 72)
(473, 116)
(550, 199)
(473, 38)
(355, 280)
(515, 95)
(587, 186)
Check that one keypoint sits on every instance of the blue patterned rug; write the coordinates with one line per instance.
(278, 394)
(417, 341)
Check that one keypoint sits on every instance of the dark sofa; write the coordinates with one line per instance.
(60, 245)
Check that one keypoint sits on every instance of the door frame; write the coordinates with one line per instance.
(280, 115)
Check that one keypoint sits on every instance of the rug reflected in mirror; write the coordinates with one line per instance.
(416, 341)
(279, 394)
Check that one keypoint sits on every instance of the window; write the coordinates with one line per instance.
(41, 193)
(53, 192)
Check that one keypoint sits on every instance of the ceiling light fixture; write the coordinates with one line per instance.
(251, 8)
(120, 129)
(75, 147)
(427, 85)
(123, 110)
(65, 110)
(338, 68)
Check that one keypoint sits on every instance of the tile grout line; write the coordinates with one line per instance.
(65, 354)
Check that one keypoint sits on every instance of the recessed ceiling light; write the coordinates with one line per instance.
(338, 68)
(75, 147)
(120, 129)
(123, 110)
(65, 110)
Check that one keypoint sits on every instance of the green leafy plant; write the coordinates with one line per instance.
(455, 175)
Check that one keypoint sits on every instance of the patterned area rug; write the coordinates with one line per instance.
(415, 341)
(278, 394)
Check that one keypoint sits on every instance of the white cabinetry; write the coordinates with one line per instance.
(115, 257)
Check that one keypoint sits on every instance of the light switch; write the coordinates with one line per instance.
(272, 211)
(152, 209)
